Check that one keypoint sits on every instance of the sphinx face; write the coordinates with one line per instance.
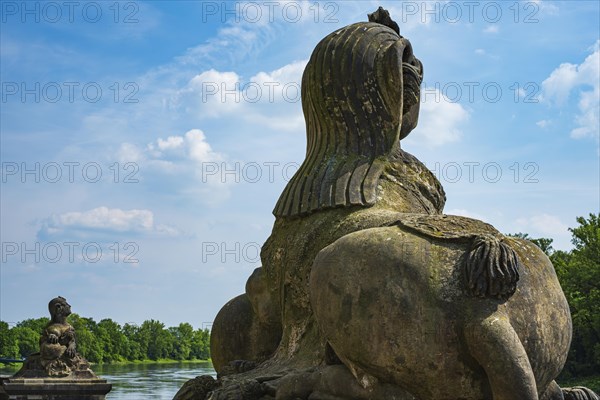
(62, 309)
(66, 309)
(59, 308)
(412, 76)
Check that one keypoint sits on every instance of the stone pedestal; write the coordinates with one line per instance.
(53, 389)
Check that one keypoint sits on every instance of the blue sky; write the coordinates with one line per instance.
(144, 144)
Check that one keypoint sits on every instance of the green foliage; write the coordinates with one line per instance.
(160, 341)
(9, 347)
(27, 339)
(201, 344)
(36, 325)
(579, 275)
(111, 336)
(107, 341)
(87, 343)
(134, 347)
(183, 335)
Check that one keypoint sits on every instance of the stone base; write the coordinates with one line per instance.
(53, 389)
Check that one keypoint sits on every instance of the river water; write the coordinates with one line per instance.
(144, 381)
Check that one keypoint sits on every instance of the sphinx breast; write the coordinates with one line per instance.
(52, 351)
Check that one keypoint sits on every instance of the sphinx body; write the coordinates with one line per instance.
(383, 293)
(57, 349)
(366, 290)
(421, 329)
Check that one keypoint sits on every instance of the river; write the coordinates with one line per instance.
(143, 381)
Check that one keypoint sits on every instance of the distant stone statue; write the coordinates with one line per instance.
(367, 290)
(58, 356)
(57, 371)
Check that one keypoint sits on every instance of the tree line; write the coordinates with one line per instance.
(578, 271)
(107, 341)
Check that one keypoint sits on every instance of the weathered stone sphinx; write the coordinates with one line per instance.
(57, 371)
(368, 291)
(57, 356)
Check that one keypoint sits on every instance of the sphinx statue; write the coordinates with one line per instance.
(367, 290)
(58, 357)
(57, 371)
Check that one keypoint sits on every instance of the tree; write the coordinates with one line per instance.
(201, 344)
(134, 348)
(114, 341)
(159, 340)
(87, 343)
(107, 341)
(586, 237)
(579, 275)
(9, 348)
(28, 340)
(182, 346)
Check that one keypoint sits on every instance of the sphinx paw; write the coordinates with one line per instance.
(52, 338)
(579, 393)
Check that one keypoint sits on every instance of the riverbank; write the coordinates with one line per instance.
(159, 361)
(11, 368)
(592, 382)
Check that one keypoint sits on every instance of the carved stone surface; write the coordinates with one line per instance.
(367, 290)
(54, 389)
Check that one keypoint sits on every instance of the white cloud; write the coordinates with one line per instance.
(290, 73)
(543, 123)
(270, 99)
(236, 39)
(559, 84)
(103, 220)
(192, 146)
(543, 224)
(129, 153)
(588, 120)
(172, 142)
(491, 29)
(557, 88)
(440, 120)
(480, 52)
(199, 149)
(184, 164)
(211, 94)
(544, 6)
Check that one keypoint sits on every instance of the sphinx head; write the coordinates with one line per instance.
(360, 96)
(363, 80)
(59, 309)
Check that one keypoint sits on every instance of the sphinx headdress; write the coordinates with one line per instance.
(360, 96)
